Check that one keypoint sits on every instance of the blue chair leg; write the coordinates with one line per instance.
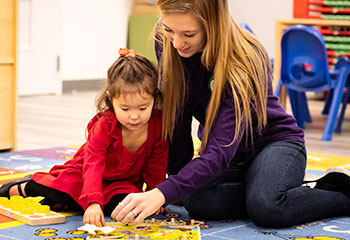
(298, 112)
(302, 103)
(337, 97)
(278, 87)
(342, 112)
(328, 102)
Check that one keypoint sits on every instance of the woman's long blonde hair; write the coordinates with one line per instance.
(234, 55)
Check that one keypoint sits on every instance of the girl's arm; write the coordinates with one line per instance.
(155, 166)
(155, 169)
(94, 162)
(94, 215)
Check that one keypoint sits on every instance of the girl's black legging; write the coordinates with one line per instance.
(53, 197)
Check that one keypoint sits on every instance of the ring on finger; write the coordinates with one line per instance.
(134, 213)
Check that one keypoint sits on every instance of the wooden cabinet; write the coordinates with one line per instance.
(8, 73)
(280, 27)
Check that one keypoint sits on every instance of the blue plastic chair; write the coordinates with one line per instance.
(246, 27)
(342, 62)
(304, 68)
(345, 102)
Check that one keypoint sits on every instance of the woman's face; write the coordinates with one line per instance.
(186, 34)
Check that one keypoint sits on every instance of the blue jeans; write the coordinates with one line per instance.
(266, 187)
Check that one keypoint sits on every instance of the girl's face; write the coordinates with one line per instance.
(186, 34)
(133, 110)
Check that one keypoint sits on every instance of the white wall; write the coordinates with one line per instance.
(90, 32)
(93, 31)
(261, 17)
(84, 34)
(39, 45)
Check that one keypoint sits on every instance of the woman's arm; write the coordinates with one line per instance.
(212, 160)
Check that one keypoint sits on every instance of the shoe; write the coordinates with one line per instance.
(334, 179)
(5, 188)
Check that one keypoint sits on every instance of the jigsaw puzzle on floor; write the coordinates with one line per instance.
(150, 229)
(15, 165)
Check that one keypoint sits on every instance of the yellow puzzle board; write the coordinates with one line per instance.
(28, 211)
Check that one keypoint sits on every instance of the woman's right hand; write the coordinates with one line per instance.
(94, 215)
(161, 210)
(137, 206)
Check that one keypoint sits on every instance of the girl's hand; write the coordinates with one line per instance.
(94, 215)
(137, 206)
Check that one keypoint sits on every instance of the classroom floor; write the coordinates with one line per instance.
(54, 121)
(51, 121)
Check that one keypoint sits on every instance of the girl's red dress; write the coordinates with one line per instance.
(103, 167)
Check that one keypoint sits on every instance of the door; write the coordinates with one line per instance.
(40, 31)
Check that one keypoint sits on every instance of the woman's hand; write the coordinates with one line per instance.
(137, 206)
(94, 215)
(161, 210)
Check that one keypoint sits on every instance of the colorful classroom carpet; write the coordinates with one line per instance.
(14, 165)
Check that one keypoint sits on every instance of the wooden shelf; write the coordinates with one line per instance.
(6, 62)
(8, 73)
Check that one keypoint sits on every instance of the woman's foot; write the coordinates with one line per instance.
(334, 179)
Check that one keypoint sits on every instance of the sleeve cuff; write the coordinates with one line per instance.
(86, 200)
(170, 192)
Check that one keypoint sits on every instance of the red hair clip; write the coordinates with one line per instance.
(124, 52)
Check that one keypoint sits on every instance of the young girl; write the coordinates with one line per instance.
(124, 147)
(252, 159)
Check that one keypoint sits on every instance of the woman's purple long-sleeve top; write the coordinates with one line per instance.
(186, 176)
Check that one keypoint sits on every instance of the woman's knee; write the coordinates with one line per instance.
(267, 212)
(217, 202)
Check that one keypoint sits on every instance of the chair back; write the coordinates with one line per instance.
(343, 61)
(304, 65)
(246, 27)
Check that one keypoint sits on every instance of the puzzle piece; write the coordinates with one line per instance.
(28, 211)
(92, 229)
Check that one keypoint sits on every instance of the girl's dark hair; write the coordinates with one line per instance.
(126, 74)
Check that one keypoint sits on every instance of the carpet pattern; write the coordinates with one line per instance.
(15, 165)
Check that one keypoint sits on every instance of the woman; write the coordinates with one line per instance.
(252, 159)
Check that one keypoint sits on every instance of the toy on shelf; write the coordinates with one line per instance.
(336, 37)
(150, 229)
(322, 9)
(28, 211)
(337, 41)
